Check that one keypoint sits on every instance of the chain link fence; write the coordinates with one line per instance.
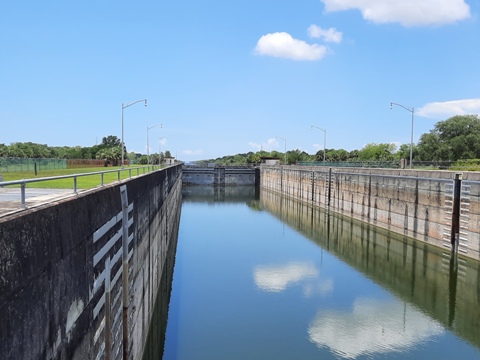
(22, 164)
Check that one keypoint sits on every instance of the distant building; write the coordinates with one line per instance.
(169, 160)
(270, 160)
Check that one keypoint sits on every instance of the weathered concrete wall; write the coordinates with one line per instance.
(220, 175)
(56, 262)
(418, 204)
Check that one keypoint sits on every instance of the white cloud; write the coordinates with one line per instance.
(328, 35)
(193, 152)
(269, 145)
(406, 12)
(255, 145)
(446, 109)
(283, 45)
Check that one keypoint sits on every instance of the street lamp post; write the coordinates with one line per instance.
(124, 106)
(324, 138)
(148, 146)
(412, 110)
(278, 137)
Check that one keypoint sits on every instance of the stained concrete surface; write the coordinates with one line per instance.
(11, 199)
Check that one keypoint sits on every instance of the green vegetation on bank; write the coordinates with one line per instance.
(453, 143)
(83, 182)
(110, 150)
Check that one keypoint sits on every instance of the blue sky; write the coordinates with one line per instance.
(228, 77)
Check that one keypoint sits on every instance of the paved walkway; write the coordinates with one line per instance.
(11, 199)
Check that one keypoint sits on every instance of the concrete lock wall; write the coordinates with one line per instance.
(61, 284)
(437, 207)
(220, 175)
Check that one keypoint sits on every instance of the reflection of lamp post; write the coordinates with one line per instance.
(278, 137)
(148, 147)
(412, 110)
(124, 107)
(324, 138)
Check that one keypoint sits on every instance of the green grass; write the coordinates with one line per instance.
(83, 182)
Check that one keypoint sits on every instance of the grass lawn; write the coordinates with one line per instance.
(83, 182)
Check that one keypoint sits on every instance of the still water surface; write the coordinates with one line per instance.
(269, 278)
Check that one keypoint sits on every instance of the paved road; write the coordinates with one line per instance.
(11, 199)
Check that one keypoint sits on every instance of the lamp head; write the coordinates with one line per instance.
(391, 106)
(145, 102)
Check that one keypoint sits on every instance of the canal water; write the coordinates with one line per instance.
(259, 276)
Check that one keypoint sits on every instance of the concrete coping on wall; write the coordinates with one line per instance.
(9, 204)
(436, 174)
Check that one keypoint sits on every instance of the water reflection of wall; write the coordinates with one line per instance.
(424, 276)
(158, 324)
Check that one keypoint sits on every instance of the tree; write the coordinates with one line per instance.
(111, 141)
(293, 156)
(143, 160)
(377, 152)
(111, 155)
(253, 158)
(353, 155)
(403, 152)
(319, 155)
(337, 155)
(453, 139)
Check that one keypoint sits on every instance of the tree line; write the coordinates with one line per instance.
(455, 139)
(110, 150)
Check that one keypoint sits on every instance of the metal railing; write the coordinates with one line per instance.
(23, 182)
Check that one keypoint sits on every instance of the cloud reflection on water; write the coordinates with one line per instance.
(278, 278)
(372, 327)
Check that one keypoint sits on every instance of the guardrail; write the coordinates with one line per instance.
(23, 183)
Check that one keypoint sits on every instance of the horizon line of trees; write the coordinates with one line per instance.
(454, 139)
(457, 138)
(109, 150)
